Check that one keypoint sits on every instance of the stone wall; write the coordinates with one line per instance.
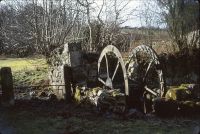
(83, 69)
(69, 54)
(56, 78)
(181, 67)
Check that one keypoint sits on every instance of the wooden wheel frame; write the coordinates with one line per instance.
(130, 73)
(145, 76)
(109, 78)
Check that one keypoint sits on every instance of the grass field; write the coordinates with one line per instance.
(22, 64)
(39, 120)
(26, 71)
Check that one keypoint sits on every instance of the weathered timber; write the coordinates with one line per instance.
(7, 87)
(68, 79)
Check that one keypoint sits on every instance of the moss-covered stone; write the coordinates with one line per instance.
(184, 92)
(186, 96)
(112, 101)
(179, 93)
(77, 95)
(104, 100)
(185, 85)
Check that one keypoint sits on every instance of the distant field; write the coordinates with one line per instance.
(19, 64)
(26, 71)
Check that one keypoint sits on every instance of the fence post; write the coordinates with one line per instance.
(7, 87)
(68, 80)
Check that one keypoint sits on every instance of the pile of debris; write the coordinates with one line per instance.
(106, 101)
(179, 101)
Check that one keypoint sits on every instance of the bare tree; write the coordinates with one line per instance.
(181, 18)
(46, 24)
(40, 26)
(87, 5)
(54, 25)
(104, 25)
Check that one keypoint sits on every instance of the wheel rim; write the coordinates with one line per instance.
(145, 73)
(111, 75)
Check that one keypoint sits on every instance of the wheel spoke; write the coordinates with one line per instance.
(161, 82)
(144, 103)
(150, 91)
(145, 75)
(108, 75)
(102, 81)
(115, 70)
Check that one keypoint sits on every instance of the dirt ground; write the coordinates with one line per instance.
(49, 117)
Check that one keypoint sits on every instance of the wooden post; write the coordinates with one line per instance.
(7, 87)
(68, 78)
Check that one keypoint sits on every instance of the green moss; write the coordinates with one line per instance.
(179, 93)
(77, 95)
(185, 85)
(95, 90)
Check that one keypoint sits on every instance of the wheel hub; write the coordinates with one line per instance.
(109, 83)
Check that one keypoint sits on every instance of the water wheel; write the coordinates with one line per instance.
(111, 70)
(145, 77)
(141, 79)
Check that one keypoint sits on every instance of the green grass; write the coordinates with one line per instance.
(26, 71)
(111, 126)
(23, 64)
(27, 122)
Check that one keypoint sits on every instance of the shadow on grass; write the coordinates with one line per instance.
(46, 117)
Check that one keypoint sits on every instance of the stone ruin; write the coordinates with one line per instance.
(71, 66)
(73, 74)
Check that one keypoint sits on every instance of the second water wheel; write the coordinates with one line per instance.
(145, 75)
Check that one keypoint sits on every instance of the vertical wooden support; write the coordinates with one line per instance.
(68, 78)
(0, 87)
(7, 87)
